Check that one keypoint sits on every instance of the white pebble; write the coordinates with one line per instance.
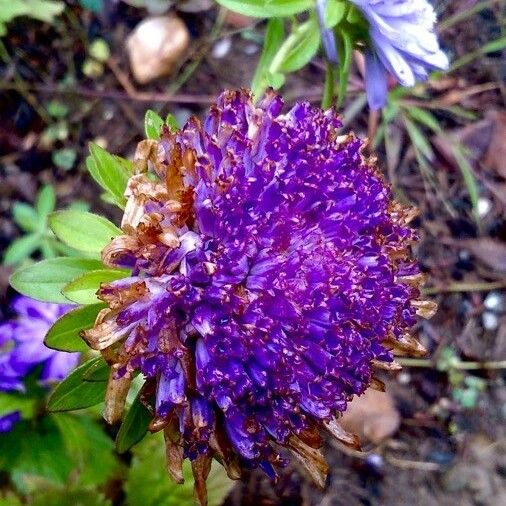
(221, 48)
(404, 377)
(251, 49)
(484, 206)
(494, 302)
(490, 320)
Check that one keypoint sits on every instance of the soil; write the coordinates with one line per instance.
(446, 451)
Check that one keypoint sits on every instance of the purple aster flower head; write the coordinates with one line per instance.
(271, 273)
(403, 43)
(22, 345)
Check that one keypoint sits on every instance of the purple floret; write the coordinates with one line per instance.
(267, 261)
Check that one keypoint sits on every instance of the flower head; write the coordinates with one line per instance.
(271, 272)
(403, 42)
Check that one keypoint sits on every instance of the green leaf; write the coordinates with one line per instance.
(268, 8)
(56, 109)
(345, 44)
(90, 448)
(83, 231)
(152, 124)
(110, 172)
(83, 289)
(424, 117)
(21, 248)
(64, 333)
(37, 9)
(46, 279)
(328, 89)
(298, 49)
(495, 45)
(419, 139)
(335, 11)
(25, 217)
(467, 173)
(64, 158)
(273, 39)
(171, 122)
(99, 371)
(16, 401)
(75, 393)
(65, 497)
(35, 450)
(100, 50)
(46, 200)
(134, 426)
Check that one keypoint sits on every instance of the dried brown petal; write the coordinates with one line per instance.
(174, 451)
(119, 246)
(106, 331)
(425, 308)
(334, 428)
(201, 467)
(224, 453)
(115, 397)
(311, 459)
(386, 366)
(377, 384)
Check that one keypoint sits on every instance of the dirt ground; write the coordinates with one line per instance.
(450, 447)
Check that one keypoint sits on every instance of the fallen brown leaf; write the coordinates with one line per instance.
(372, 417)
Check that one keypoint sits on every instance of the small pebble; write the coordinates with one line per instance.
(404, 378)
(221, 48)
(490, 320)
(464, 255)
(250, 49)
(156, 46)
(484, 206)
(494, 302)
(374, 460)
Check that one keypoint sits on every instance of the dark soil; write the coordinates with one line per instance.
(444, 453)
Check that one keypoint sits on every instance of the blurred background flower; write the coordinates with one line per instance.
(22, 350)
(403, 43)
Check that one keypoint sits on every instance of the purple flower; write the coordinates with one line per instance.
(271, 271)
(22, 345)
(9, 420)
(404, 44)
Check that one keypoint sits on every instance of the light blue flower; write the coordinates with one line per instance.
(403, 43)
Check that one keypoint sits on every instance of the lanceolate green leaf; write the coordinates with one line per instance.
(46, 279)
(82, 230)
(21, 248)
(26, 217)
(134, 426)
(99, 371)
(152, 124)
(110, 172)
(346, 54)
(76, 393)
(83, 289)
(273, 39)
(46, 200)
(64, 334)
(298, 48)
(267, 8)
